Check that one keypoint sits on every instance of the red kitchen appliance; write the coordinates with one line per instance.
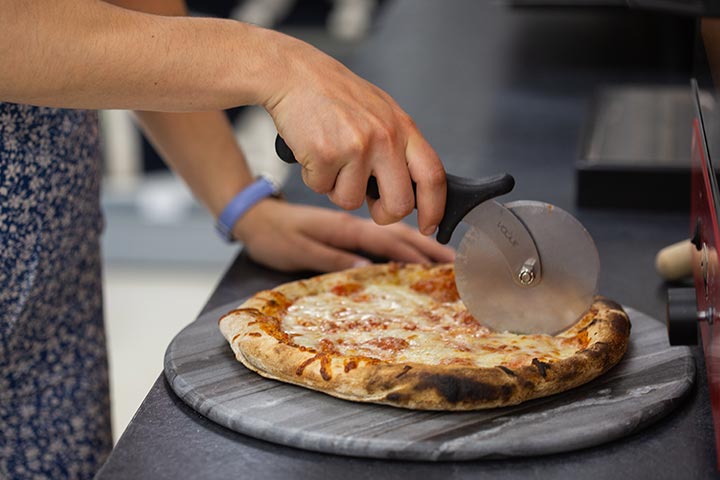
(699, 307)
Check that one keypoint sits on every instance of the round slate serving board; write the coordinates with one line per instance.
(647, 384)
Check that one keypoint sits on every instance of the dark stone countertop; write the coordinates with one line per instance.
(494, 89)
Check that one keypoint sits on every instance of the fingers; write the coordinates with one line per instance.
(320, 257)
(429, 175)
(396, 242)
(292, 237)
(326, 153)
(350, 186)
(427, 245)
(319, 173)
(397, 198)
(402, 243)
(319, 181)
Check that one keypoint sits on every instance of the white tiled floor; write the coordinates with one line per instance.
(145, 308)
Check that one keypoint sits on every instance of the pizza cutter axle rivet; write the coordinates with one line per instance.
(526, 275)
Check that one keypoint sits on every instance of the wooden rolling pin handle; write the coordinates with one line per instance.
(674, 262)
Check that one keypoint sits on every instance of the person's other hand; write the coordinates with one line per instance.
(342, 129)
(296, 237)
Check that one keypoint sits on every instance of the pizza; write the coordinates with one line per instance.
(398, 334)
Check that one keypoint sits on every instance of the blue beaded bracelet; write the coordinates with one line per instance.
(262, 187)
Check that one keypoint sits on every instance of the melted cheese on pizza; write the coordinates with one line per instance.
(412, 324)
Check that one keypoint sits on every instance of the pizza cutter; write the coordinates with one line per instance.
(524, 267)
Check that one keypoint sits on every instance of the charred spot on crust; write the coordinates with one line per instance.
(619, 323)
(507, 370)
(607, 303)
(457, 389)
(380, 383)
(396, 397)
(541, 366)
(569, 371)
(597, 350)
(406, 369)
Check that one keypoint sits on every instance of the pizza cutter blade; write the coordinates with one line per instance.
(527, 267)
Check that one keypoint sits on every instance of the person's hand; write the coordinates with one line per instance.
(296, 237)
(342, 129)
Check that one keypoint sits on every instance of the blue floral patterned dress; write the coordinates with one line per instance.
(54, 407)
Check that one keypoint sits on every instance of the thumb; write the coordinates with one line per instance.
(323, 258)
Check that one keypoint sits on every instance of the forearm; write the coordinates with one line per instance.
(202, 149)
(199, 146)
(89, 54)
(342, 129)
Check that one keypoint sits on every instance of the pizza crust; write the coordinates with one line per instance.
(255, 334)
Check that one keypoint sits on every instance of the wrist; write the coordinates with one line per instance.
(254, 222)
(278, 55)
(241, 203)
(287, 69)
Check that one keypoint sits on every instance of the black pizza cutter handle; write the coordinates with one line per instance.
(463, 194)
